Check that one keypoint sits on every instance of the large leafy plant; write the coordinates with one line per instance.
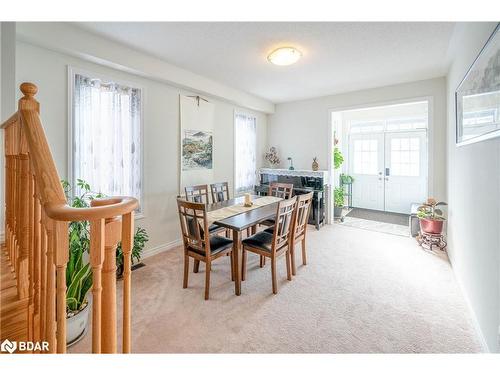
(338, 197)
(78, 273)
(429, 210)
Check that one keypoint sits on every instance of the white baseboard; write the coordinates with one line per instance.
(161, 248)
(475, 322)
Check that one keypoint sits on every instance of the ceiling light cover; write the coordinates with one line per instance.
(284, 56)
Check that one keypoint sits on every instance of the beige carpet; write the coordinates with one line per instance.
(362, 292)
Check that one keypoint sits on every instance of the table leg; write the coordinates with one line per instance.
(237, 262)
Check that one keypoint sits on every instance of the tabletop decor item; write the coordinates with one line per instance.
(315, 164)
(272, 157)
(248, 200)
(291, 163)
(477, 98)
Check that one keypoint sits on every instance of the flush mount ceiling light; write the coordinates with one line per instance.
(284, 56)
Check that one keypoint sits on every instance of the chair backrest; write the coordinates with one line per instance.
(282, 234)
(197, 193)
(220, 192)
(281, 190)
(194, 225)
(301, 214)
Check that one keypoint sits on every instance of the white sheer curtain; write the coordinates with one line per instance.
(245, 150)
(107, 136)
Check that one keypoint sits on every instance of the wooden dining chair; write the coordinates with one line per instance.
(280, 190)
(198, 243)
(220, 192)
(197, 193)
(299, 228)
(273, 245)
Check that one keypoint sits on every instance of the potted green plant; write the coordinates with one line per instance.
(338, 201)
(338, 158)
(78, 272)
(431, 218)
(346, 179)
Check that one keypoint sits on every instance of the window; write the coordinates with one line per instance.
(405, 156)
(245, 150)
(106, 136)
(365, 156)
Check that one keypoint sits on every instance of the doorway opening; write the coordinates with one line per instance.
(385, 164)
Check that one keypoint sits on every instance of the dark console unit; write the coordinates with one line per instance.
(303, 183)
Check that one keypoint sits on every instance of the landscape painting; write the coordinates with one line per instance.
(197, 151)
(478, 96)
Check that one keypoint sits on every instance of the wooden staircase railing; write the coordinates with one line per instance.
(36, 237)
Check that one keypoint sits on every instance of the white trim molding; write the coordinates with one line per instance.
(296, 173)
(161, 248)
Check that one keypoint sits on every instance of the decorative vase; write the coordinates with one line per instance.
(315, 164)
(431, 226)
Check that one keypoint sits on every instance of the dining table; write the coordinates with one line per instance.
(239, 220)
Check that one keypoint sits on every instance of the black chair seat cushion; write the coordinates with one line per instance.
(214, 228)
(217, 245)
(268, 222)
(269, 230)
(262, 240)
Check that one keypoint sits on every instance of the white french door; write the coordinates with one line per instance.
(366, 165)
(389, 170)
(405, 175)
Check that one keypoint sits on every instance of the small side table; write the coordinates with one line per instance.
(431, 240)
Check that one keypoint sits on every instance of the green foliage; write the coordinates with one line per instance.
(346, 179)
(338, 158)
(79, 273)
(428, 210)
(338, 197)
(140, 239)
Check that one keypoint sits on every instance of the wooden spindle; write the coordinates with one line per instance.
(31, 255)
(61, 259)
(23, 228)
(50, 300)
(37, 247)
(96, 261)
(127, 243)
(43, 277)
(111, 238)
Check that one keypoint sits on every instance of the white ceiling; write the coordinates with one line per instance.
(337, 57)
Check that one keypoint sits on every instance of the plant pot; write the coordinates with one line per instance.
(431, 226)
(76, 325)
(337, 211)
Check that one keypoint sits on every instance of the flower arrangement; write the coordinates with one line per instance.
(272, 157)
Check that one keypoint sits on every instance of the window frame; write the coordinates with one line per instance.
(247, 114)
(72, 71)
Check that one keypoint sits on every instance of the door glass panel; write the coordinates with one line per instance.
(405, 157)
(365, 156)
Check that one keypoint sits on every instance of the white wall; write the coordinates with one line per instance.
(473, 195)
(301, 129)
(7, 97)
(48, 70)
